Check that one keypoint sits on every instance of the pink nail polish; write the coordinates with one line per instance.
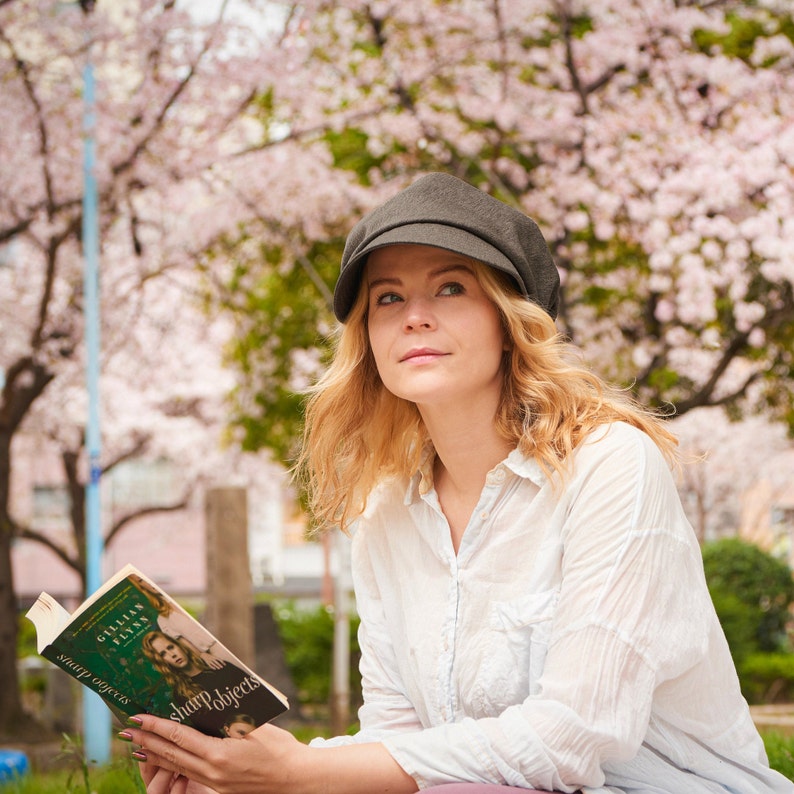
(138, 755)
(125, 736)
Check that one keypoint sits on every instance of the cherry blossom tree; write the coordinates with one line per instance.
(652, 141)
(721, 462)
(172, 99)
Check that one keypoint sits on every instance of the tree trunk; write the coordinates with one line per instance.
(25, 382)
(11, 714)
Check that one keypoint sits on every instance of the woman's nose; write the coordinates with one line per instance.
(418, 314)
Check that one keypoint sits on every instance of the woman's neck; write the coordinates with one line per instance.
(465, 439)
(467, 448)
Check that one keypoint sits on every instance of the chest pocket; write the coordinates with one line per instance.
(524, 627)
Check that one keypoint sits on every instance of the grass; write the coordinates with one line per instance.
(120, 777)
(780, 750)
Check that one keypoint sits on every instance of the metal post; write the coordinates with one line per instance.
(340, 676)
(96, 716)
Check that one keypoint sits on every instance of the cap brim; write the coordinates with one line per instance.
(450, 238)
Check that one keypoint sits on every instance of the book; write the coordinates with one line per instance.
(143, 653)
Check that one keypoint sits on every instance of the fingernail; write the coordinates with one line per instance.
(137, 721)
(125, 736)
(138, 755)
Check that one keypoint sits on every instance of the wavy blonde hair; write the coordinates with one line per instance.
(181, 683)
(357, 433)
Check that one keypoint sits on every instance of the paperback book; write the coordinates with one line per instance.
(143, 653)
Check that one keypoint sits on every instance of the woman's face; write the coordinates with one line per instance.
(238, 729)
(437, 339)
(170, 652)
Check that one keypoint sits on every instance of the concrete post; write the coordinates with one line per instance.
(229, 615)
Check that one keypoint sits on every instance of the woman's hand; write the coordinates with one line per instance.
(212, 661)
(161, 781)
(180, 760)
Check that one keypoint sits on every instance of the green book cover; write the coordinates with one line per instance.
(142, 652)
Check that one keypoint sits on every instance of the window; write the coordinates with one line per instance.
(51, 506)
(141, 483)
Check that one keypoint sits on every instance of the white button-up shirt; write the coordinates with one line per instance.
(570, 644)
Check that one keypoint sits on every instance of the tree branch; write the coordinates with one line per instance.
(24, 70)
(12, 231)
(570, 63)
(26, 533)
(139, 443)
(727, 399)
(51, 259)
(145, 511)
(276, 228)
(582, 90)
(18, 395)
(170, 101)
(33, 210)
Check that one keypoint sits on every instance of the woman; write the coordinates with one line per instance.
(533, 607)
(176, 661)
(238, 726)
(203, 696)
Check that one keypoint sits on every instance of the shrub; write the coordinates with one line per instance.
(26, 638)
(740, 571)
(738, 622)
(308, 638)
(768, 677)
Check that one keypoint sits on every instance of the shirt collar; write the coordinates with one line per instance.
(526, 467)
(520, 464)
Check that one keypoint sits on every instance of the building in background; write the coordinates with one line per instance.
(768, 508)
(168, 546)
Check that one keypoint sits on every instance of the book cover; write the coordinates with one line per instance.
(142, 652)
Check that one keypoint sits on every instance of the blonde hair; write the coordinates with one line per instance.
(358, 434)
(181, 683)
(154, 597)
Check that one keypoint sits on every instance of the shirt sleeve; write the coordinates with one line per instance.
(180, 626)
(633, 613)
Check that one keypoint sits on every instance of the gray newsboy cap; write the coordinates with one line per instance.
(443, 211)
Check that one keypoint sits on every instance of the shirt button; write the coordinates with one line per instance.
(484, 515)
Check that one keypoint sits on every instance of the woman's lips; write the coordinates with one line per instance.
(421, 354)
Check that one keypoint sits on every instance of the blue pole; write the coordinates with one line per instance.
(96, 716)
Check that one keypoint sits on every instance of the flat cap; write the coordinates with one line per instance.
(443, 211)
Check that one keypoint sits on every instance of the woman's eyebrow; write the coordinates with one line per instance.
(440, 271)
(378, 282)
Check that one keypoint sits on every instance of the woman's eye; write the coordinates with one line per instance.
(452, 289)
(386, 298)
